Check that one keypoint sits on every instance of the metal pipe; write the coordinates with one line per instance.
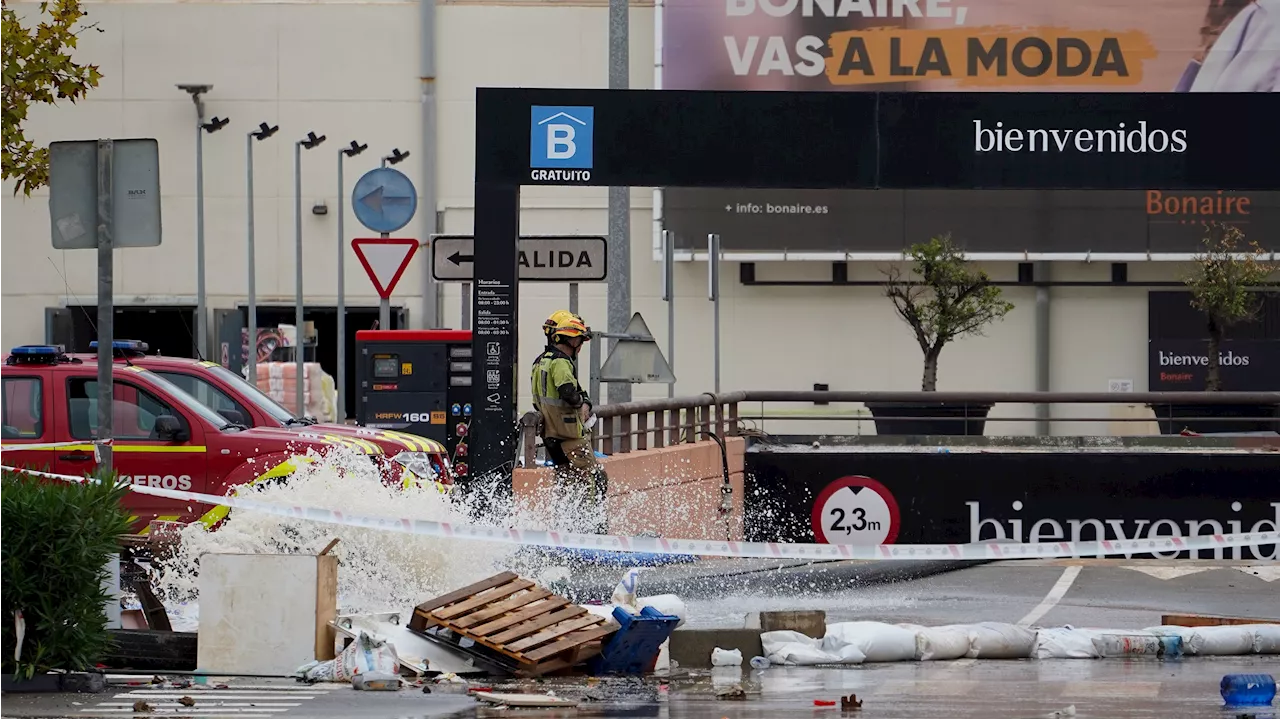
(465, 294)
(342, 293)
(713, 290)
(1156, 398)
(1040, 271)
(252, 371)
(619, 281)
(431, 310)
(106, 302)
(669, 294)
(299, 344)
(202, 331)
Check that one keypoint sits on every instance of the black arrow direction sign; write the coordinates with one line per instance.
(542, 258)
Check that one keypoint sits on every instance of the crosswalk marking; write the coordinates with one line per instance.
(1167, 573)
(235, 700)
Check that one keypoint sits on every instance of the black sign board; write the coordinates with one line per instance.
(1177, 359)
(1115, 141)
(1108, 225)
(919, 498)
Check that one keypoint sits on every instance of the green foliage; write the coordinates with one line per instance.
(949, 299)
(58, 537)
(1225, 286)
(38, 70)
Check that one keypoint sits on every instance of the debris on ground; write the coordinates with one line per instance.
(524, 700)
(376, 682)
(850, 703)
(141, 707)
(733, 691)
(187, 701)
(363, 655)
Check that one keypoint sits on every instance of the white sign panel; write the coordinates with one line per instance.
(542, 258)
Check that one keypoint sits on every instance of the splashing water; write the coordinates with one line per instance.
(378, 570)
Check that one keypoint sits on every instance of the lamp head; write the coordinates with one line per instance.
(396, 157)
(264, 131)
(217, 123)
(355, 149)
(312, 140)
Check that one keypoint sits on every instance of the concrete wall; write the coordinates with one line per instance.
(349, 69)
(671, 491)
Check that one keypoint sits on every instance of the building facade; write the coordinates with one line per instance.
(350, 70)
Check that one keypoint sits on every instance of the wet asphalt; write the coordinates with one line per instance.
(1114, 594)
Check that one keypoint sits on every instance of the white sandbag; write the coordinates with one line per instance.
(363, 655)
(1266, 637)
(1128, 642)
(941, 643)
(1191, 639)
(793, 648)
(1219, 641)
(1066, 642)
(877, 641)
(1226, 641)
(998, 640)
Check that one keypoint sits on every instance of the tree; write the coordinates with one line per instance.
(39, 70)
(1225, 286)
(948, 301)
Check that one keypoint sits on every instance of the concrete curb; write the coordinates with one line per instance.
(798, 578)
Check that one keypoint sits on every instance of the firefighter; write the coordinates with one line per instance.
(565, 407)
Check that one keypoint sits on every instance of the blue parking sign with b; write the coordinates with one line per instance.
(561, 136)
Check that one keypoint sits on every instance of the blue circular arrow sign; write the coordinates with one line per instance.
(384, 200)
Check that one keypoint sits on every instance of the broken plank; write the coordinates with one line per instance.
(571, 641)
(512, 604)
(480, 586)
(481, 599)
(552, 632)
(528, 628)
(533, 610)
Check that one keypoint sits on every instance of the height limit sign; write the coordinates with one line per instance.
(855, 510)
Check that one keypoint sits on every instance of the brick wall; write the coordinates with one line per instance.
(670, 491)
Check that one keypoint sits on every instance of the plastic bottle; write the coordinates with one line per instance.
(376, 682)
(759, 663)
(1248, 690)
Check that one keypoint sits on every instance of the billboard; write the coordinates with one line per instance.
(973, 46)
(1176, 360)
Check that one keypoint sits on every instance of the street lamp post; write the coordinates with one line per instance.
(384, 306)
(263, 132)
(197, 92)
(355, 149)
(310, 142)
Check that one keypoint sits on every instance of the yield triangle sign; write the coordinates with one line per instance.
(385, 260)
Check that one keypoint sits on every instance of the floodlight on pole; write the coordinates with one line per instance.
(310, 142)
(354, 149)
(197, 92)
(395, 158)
(263, 132)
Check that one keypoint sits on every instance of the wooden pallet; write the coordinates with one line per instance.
(514, 624)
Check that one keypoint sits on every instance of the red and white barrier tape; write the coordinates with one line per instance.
(717, 548)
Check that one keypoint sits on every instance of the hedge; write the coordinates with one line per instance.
(58, 537)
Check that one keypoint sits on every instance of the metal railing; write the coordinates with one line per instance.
(651, 424)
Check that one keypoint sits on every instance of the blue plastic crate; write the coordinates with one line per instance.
(634, 648)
